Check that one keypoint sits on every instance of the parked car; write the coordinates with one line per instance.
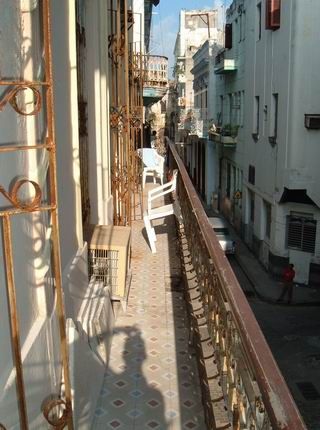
(222, 231)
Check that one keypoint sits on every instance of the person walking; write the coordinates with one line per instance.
(287, 283)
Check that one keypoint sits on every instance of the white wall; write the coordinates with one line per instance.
(138, 26)
(98, 112)
(285, 62)
(67, 134)
(303, 150)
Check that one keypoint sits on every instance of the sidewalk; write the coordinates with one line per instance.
(265, 286)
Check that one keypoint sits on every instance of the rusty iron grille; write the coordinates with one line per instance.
(126, 110)
(252, 388)
(25, 197)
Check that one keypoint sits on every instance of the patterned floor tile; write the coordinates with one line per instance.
(151, 382)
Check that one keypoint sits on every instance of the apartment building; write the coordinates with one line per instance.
(269, 101)
(202, 156)
(195, 27)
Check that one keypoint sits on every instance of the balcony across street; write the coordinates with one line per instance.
(155, 78)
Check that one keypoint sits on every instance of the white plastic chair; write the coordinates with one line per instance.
(161, 211)
(153, 164)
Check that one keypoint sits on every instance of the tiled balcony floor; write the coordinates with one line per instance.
(152, 381)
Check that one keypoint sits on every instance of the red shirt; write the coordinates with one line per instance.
(288, 274)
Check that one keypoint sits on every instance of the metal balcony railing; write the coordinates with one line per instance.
(155, 71)
(254, 391)
(225, 62)
(194, 120)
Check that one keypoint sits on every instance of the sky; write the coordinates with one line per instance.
(165, 23)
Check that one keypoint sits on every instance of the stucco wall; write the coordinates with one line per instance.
(97, 84)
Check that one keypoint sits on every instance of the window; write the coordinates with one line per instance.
(237, 29)
(259, 21)
(301, 233)
(251, 197)
(228, 36)
(230, 97)
(274, 116)
(238, 107)
(228, 179)
(251, 174)
(220, 114)
(256, 115)
(243, 25)
(241, 107)
(268, 212)
(273, 14)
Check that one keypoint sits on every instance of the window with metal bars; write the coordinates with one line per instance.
(301, 233)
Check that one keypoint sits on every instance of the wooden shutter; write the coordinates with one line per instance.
(228, 36)
(273, 14)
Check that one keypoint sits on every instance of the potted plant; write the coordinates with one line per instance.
(230, 130)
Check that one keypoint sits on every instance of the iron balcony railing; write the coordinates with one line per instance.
(194, 120)
(254, 391)
(156, 70)
(225, 62)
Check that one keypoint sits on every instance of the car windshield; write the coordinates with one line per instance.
(221, 231)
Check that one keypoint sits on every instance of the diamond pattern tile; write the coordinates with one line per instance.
(151, 381)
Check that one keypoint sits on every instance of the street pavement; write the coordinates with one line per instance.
(292, 330)
(266, 287)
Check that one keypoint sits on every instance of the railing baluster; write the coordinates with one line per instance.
(254, 390)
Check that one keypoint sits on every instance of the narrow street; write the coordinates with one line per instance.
(292, 333)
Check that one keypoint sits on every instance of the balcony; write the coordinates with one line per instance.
(226, 135)
(155, 77)
(195, 121)
(188, 352)
(225, 63)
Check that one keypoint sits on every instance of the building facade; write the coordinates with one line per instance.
(56, 95)
(195, 27)
(268, 179)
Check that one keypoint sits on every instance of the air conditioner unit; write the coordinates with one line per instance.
(109, 259)
(312, 121)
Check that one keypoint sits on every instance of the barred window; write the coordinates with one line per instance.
(268, 212)
(301, 233)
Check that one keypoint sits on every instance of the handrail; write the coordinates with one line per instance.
(281, 410)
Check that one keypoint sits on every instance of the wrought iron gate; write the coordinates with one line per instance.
(26, 197)
(126, 111)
